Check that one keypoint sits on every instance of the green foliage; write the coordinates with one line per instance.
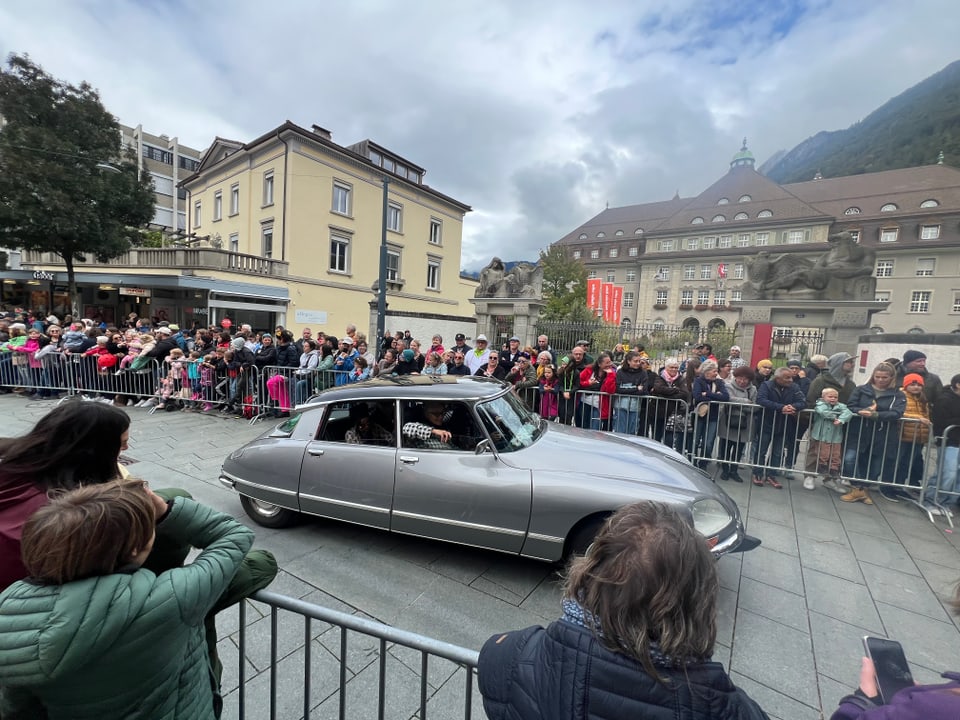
(57, 196)
(564, 285)
(907, 131)
(4, 259)
(151, 239)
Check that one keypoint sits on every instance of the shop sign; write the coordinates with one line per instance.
(136, 292)
(44, 275)
(310, 317)
(198, 311)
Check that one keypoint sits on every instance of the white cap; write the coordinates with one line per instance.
(480, 338)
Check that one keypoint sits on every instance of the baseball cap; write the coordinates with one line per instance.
(584, 343)
(515, 339)
(481, 338)
(174, 327)
(460, 336)
(347, 340)
(164, 330)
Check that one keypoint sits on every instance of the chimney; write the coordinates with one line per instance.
(322, 132)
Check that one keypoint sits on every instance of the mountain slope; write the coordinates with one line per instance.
(908, 130)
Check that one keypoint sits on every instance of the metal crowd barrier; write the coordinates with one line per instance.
(388, 637)
(942, 486)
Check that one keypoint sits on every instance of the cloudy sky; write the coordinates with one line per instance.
(538, 114)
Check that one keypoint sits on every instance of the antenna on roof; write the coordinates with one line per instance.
(940, 158)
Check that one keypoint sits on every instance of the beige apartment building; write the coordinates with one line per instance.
(684, 261)
(286, 230)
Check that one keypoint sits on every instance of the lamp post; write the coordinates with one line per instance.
(382, 282)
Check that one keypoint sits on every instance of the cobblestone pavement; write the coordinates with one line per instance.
(792, 612)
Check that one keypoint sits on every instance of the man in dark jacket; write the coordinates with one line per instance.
(836, 376)
(165, 343)
(775, 427)
(945, 477)
(915, 361)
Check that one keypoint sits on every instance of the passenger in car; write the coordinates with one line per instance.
(364, 430)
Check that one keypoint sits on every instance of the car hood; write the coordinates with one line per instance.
(564, 449)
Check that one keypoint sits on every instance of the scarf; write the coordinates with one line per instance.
(574, 614)
(669, 378)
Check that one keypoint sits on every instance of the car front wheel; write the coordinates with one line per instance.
(268, 514)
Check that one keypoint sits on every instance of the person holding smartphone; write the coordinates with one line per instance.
(886, 690)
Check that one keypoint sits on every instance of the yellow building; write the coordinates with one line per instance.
(286, 229)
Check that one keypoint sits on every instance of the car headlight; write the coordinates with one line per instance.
(709, 517)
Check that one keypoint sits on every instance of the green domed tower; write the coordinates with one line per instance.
(744, 158)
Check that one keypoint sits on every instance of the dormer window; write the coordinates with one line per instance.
(619, 233)
(638, 231)
(697, 221)
(601, 234)
(583, 236)
(764, 214)
(719, 218)
(745, 198)
(929, 204)
(741, 216)
(723, 201)
(889, 207)
(852, 211)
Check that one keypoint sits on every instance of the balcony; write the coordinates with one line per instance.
(686, 306)
(659, 306)
(172, 259)
(701, 306)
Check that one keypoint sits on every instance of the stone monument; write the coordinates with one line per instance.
(516, 293)
(836, 291)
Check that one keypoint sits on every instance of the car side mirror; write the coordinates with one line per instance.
(482, 447)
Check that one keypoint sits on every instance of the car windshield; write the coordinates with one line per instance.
(510, 424)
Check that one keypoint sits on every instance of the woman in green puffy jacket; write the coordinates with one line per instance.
(93, 634)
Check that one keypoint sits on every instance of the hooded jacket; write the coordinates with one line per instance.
(946, 412)
(126, 644)
(564, 673)
(832, 377)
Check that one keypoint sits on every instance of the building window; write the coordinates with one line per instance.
(631, 275)
(736, 295)
(393, 265)
(217, 205)
(433, 274)
(720, 297)
(197, 214)
(162, 185)
(638, 231)
(929, 204)
(697, 221)
(743, 241)
(884, 268)
(929, 232)
(189, 164)
(266, 240)
(592, 275)
(601, 234)
(723, 201)
(576, 254)
(765, 214)
(889, 207)
(725, 241)
(583, 236)
(619, 233)
(920, 301)
(663, 273)
(268, 189)
(665, 245)
(394, 217)
(611, 276)
(926, 266)
(686, 297)
(155, 153)
(234, 242)
(339, 254)
(693, 243)
(163, 216)
(706, 271)
(436, 231)
(763, 239)
(594, 254)
(341, 198)
(882, 296)
(628, 299)
(745, 198)
(852, 211)
(956, 302)
(719, 218)
(614, 252)
(888, 235)
(689, 272)
(709, 243)
(633, 252)
(235, 199)
(794, 237)
(662, 296)
(703, 297)
(181, 219)
(741, 216)
(855, 235)
(738, 271)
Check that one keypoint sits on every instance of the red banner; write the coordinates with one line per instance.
(607, 301)
(617, 304)
(722, 270)
(593, 293)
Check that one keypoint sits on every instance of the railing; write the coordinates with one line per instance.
(166, 258)
(459, 659)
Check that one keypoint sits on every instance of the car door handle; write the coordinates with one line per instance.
(315, 451)
(409, 459)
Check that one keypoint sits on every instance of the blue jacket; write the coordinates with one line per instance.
(564, 673)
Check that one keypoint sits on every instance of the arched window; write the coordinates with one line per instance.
(765, 214)
(745, 198)
(719, 218)
(915, 331)
(638, 231)
(716, 324)
(601, 234)
(852, 211)
(876, 330)
(691, 322)
(583, 236)
(929, 203)
(889, 207)
(619, 233)
(723, 201)
(741, 216)
(697, 221)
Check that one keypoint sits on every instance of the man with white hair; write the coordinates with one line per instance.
(735, 359)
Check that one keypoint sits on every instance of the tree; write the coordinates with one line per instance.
(564, 286)
(66, 186)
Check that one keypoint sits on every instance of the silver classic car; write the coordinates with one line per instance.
(462, 459)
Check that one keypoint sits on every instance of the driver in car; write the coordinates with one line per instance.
(431, 433)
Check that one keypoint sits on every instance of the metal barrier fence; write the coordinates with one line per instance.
(388, 637)
(942, 487)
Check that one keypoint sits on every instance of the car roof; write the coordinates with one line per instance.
(418, 387)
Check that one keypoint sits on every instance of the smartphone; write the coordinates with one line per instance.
(893, 673)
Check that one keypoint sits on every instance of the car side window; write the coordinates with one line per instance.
(439, 426)
(360, 422)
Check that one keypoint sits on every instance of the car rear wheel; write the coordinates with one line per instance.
(268, 514)
(582, 537)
